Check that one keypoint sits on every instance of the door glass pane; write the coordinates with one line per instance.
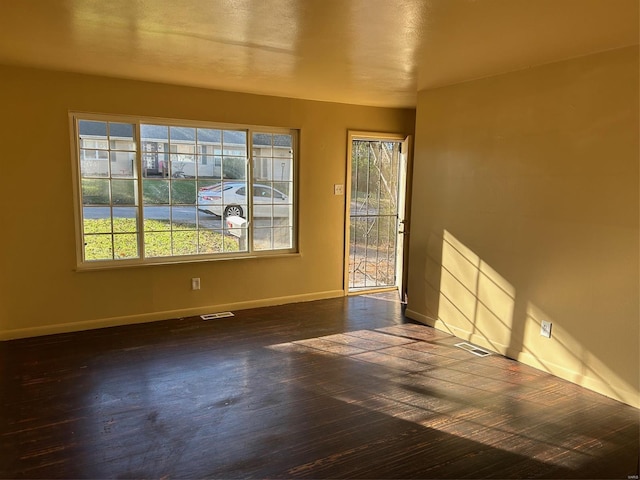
(374, 214)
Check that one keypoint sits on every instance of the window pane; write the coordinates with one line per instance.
(122, 137)
(155, 191)
(182, 166)
(98, 247)
(182, 135)
(94, 143)
(284, 214)
(278, 237)
(125, 219)
(180, 148)
(283, 189)
(157, 133)
(155, 162)
(262, 169)
(282, 237)
(123, 164)
(282, 146)
(210, 241)
(234, 168)
(215, 241)
(209, 166)
(95, 191)
(96, 220)
(210, 197)
(262, 145)
(283, 169)
(157, 244)
(183, 192)
(157, 218)
(155, 147)
(214, 185)
(209, 137)
(262, 239)
(234, 200)
(125, 245)
(185, 242)
(123, 192)
(183, 218)
(94, 163)
(92, 128)
(234, 143)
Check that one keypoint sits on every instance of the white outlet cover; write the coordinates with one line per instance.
(338, 189)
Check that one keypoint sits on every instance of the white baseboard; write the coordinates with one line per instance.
(164, 315)
(599, 385)
(419, 317)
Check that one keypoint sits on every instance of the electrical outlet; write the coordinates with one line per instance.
(338, 189)
(195, 283)
(545, 329)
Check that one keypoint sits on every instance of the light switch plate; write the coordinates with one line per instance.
(545, 329)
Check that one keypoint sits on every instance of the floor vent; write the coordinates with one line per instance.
(213, 316)
(473, 349)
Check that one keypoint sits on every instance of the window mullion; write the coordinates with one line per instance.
(249, 171)
(110, 180)
(140, 203)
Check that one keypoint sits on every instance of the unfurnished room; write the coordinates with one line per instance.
(391, 239)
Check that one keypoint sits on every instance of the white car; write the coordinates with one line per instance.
(230, 199)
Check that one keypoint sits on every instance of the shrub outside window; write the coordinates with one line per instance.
(168, 191)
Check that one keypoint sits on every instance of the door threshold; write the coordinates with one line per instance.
(372, 291)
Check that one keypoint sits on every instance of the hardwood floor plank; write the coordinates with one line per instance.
(342, 388)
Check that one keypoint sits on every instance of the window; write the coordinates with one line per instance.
(157, 192)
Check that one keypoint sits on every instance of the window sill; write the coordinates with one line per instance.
(120, 264)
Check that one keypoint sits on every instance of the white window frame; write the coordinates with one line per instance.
(137, 121)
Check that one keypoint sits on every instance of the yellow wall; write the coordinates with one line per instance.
(41, 292)
(527, 210)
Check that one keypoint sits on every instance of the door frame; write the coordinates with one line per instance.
(401, 283)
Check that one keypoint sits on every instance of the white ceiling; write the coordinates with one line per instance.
(368, 52)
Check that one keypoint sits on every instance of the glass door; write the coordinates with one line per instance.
(376, 213)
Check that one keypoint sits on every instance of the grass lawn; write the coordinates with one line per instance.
(159, 239)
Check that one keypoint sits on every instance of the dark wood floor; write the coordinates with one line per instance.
(343, 388)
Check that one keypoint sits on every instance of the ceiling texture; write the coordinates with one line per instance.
(365, 52)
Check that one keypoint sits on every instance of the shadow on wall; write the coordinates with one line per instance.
(476, 303)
